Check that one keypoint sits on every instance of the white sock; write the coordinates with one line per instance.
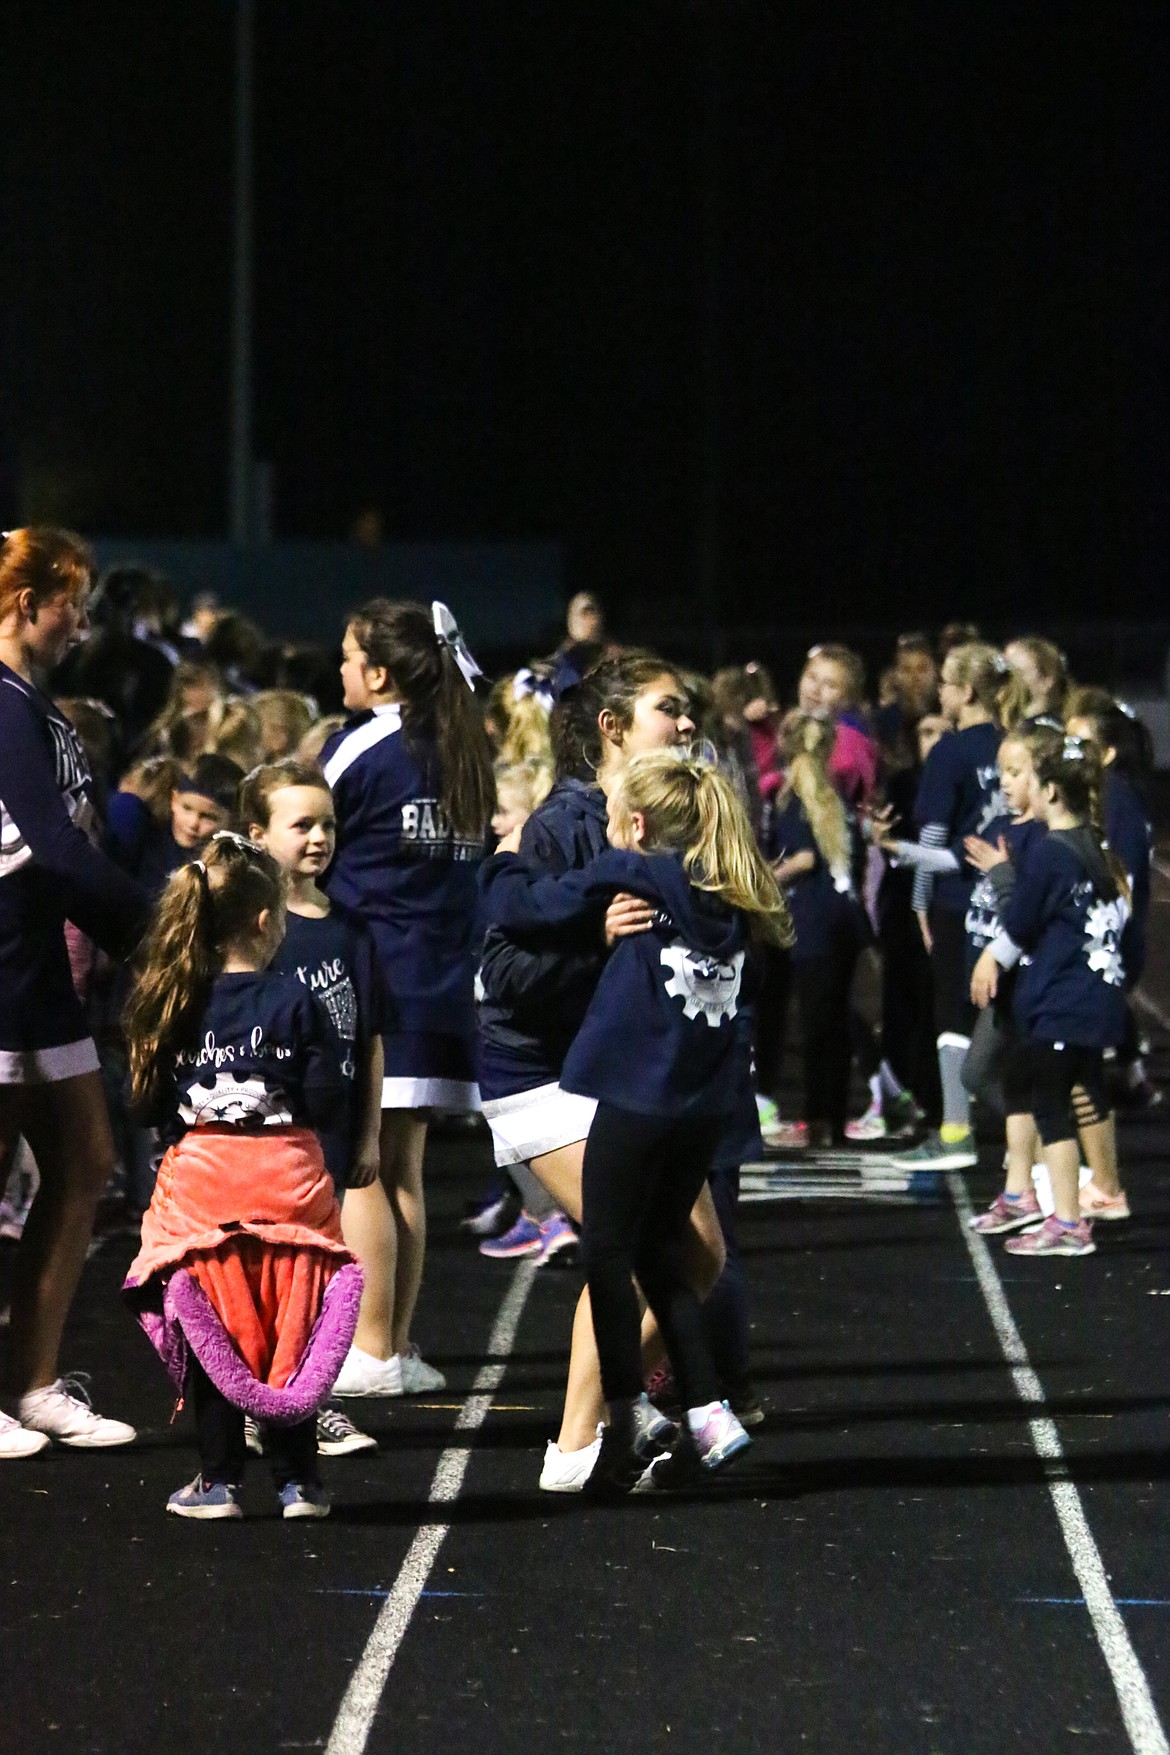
(875, 1091)
(697, 1417)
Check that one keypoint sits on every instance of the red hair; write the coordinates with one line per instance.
(45, 562)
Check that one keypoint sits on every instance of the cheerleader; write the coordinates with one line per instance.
(412, 784)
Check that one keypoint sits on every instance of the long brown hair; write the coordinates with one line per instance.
(205, 907)
(400, 638)
(615, 684)
(43, 561)
(1072, 767)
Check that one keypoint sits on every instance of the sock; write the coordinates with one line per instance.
(698, 1417)
(1008, 1196)
(891, 1085)
(956, 1118)
(875, 1091)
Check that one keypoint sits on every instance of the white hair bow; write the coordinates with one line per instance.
(448, 635)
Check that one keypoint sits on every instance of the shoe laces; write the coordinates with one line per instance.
(75, 1388)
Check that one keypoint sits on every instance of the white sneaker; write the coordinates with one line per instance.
(363, 1374)
(62, 1410)
(566, 1471)
(16, 1441)
(417, 1376)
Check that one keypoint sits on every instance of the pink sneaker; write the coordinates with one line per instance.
(1008, 1214)
(1096, 1204)
(1054, 1237)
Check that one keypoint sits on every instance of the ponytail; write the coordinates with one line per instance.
(423, 667)
(1072, 765)
(806, 743)
(689, 807)
(205, 907)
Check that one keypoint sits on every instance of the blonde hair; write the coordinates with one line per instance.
(986, 672)
(527, 783)
(234, 731)
(284, 718)
(1015, 697)
(153, 781)
(318, 735)
(521, 724)
(690, 808)
(205, 907)
(806, 742)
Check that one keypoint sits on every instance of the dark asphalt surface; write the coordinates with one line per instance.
(883, 1573)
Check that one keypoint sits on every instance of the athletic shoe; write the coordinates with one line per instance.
(523, 1239)
(557, 1239)
(719, 1440)
(902, 1116)
(16, 1440)
(1054, 1238)
(206, 1500)
(338, 1436)
(767, 1111)
(304, 1499)
(935, 1153)
(566, 1471)
(363, 1374)
(661, 1387)
(786, 1136)
(489, 1217)
(1005, 1214)
(63, 1411)
(652, 1430)
(870, 1126)
(418, 1378)
(253, 1437)
(618, 1469)
(1096, 1204)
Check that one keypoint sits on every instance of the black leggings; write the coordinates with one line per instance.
(822, 987)
(219, 1428)
(641, 1176)
(1063, 1088)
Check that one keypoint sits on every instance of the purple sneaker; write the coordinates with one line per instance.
(524, 1238)
(1005, 1214)
(556, 1235)
(1054, 1237)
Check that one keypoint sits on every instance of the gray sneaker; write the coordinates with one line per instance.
(935, 1153)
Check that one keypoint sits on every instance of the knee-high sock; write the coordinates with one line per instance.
(952, 1051)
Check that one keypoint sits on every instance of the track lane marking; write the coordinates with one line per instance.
(1138, 1711)
(363, 1696)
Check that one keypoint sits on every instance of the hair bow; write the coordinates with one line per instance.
(1000, 665)
(448, 635)
(527, 682)
(1074, 749)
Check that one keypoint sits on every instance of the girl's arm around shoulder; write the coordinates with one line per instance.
(518, 899)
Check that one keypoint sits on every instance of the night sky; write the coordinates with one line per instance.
(783, 310)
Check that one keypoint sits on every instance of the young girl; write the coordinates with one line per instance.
(51, 872)
(958, 796)
(1066, 909)
(242, 1281)
(412, 783)
(814, 852)
(833, 682)
(683, 842)
(286, 808)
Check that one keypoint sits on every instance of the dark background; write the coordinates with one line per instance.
(768, 310)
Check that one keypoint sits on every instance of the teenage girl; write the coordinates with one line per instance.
(536, 995)
(833, 682)
(412, 784)
(993, 1063)
(51, 1091)
(814, 851)
(242, 1281)
(656, 1052)
(286, 808)
(1040, 679)
(1066, 909)
(958, 795)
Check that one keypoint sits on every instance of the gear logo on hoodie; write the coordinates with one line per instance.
(1104, 925)
(708, 988)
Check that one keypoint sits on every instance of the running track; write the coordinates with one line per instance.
(929, 1549)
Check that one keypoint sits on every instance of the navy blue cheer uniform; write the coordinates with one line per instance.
(51, 871)
(333, 956)
(404, 872)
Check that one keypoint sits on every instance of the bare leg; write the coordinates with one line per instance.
(1099, 1144)
(404, 1138)
(67, 1127)
(367, 1224)
(1064, 1165)
(1021, 1145)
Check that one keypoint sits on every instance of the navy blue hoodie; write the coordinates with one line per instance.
(1130, 836)
(1066, 915)
(659, 1037)
(959, 792)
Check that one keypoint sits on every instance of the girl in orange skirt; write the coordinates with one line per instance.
(242, 1282)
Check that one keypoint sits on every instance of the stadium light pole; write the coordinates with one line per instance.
(240, 450)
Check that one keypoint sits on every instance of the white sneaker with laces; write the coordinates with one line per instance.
(418, 1378)
(363, 1374)
(62, 1410)
(566, 1471)
(16, 1441)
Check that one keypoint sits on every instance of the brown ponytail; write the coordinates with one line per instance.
(44, 562)
(1072, 765)
(205, 907)
(400, 638)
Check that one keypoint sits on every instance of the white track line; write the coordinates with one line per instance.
(1157, 1012)
(1133, 1691)
(362, 1698)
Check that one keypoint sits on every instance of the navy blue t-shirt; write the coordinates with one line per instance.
(334, 958)
(983, 922)
(824, 906)
(263, 1056)
(959, 789)
(1065, 914)
(402, 870)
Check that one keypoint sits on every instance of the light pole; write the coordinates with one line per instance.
(240, 451)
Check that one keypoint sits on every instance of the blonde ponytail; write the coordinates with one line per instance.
(806, 743)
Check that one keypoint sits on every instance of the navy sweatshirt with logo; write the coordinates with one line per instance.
(659, 1036)
(959, 795)
(983, 921)
(1065, 913)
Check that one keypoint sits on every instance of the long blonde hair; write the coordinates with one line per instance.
(690, 808)
(806, 743)
(204, 908)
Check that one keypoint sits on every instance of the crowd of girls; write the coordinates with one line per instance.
(271, 941)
